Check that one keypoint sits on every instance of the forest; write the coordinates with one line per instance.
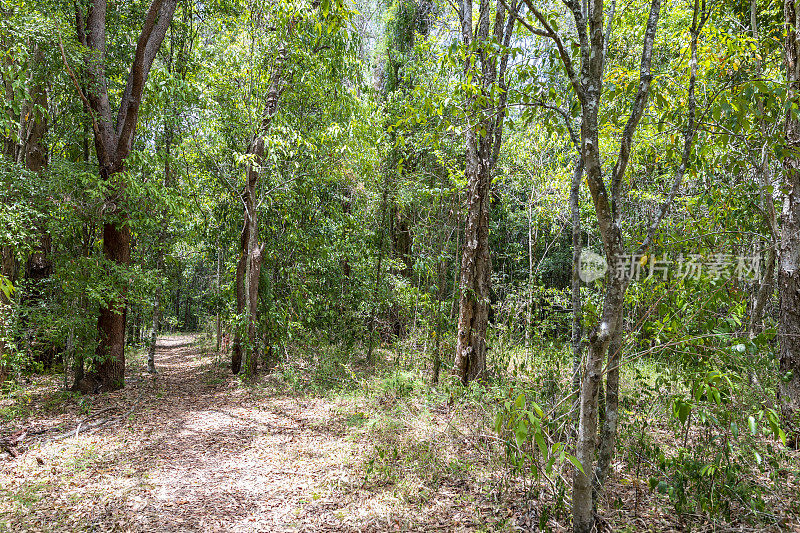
(400, 265)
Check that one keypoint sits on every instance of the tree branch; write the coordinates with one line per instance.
(645, 80)
(563, 53)
(153, 32)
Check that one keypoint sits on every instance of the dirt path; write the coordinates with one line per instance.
(198, 451)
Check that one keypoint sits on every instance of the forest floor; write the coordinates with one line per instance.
(194, 448)
(197, 449)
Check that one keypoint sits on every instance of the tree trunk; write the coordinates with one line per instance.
(610, 419)
(255, 252)
(789, 251)
(378, 263)
(151, 349)
(113, 142)
(483, 142)
(476, 269)
(577, 306)
(529, 321)
(251, 252)
(217, 292)
(766, 288)
(110, 371)
(764, 293)
(599, 339)
(241, 302)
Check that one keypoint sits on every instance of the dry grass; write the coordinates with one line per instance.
(321, 444)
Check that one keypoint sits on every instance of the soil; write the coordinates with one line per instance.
(193, 449)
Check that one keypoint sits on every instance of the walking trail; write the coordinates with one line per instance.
(193, 449)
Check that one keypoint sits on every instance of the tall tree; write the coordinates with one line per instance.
(789, 248)
(113, 143)
(251, 254)
(486, 67)
(586, 80)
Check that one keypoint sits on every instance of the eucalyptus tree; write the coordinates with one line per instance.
(487, 47)
(584, 67)
(113, 143)
(789, 248)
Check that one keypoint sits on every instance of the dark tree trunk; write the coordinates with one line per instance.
(241, 302)
(113, 142)
(483, 142)
(110, 372)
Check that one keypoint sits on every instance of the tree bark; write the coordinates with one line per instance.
(476, 270)
(248, 269)
(113, 142)
(610, 419)
(577, 306)
(789, 250)
(483, 141)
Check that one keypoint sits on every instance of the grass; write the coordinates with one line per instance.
(430, 452)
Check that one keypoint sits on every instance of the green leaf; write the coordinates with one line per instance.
(6, 286)
(540, 442)
(519, 403)
(577, 464)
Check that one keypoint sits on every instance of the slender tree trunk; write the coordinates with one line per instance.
(577, 306)
(766, 288)
(529, 322)
(151, 349)
(599, 339)
(608, 432)
(217, 292)
(764, 292)
(378, 265)
(789, 251)
(251, 253)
